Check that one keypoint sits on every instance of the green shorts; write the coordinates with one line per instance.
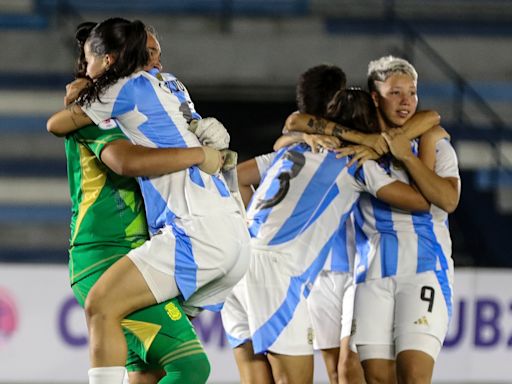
(153, 333)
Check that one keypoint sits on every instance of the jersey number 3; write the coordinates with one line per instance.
(294, 162)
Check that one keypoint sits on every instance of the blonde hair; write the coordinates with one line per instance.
(381, 69)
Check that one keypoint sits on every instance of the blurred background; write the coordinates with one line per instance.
(240, 60)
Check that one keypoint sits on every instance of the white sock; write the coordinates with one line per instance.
(106, 375)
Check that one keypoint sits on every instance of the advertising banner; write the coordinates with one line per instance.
(43, 336)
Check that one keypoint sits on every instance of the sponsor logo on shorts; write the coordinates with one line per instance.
(421, 321)
(8, 316)
(173, 311)
(310, 336)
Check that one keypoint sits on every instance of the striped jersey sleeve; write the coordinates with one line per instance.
(264, 162)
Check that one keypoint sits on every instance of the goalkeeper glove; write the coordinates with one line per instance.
(210, 132)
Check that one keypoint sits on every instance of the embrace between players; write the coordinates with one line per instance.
(347, 249)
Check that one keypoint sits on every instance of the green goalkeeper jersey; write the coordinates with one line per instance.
(108, 218)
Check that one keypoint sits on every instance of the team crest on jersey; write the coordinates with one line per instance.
(108, 124)
(173, 311)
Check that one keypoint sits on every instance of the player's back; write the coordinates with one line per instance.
(301, 203)
(107, 209)
(151, 113)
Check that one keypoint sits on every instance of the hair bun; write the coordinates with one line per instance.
(83, 30)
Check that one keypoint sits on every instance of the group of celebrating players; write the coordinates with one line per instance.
(344, 247)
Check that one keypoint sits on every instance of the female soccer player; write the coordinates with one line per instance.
(199, 245)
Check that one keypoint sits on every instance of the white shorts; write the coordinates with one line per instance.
(277, 309)
(389, 311)
(234, 316)
(201, 258)
(331, 306)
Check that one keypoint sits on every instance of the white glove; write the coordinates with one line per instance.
(210, 132)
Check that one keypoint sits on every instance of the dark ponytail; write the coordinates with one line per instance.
(82, 33)
(127, 42)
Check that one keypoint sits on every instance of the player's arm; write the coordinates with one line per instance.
(288, 139)
(403, 196)
(316, 142)
(248, 178)
(301, 122)
(440, 191)
(421, 122)
(417, 125)
(68, 120)
(427, 146)
(127, 159)
(73, 117)
(250, 173)
(372, 178)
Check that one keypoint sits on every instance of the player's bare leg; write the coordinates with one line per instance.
(288, 369)
(379, 371)
(349, 367)
(253, 368)
(331, 358)
(414, 367)
(120, 291)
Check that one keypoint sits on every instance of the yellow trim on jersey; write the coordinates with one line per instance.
(192, 347)
(106, 140)
(102, 261)
(145, 332)
(191, 353)
(137, 225)
(92, 182)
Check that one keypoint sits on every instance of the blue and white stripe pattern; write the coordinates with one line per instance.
(403, 243)
(300, 211)
(312, 204)
(151, 112)
(154, 111)
(341, 257)
(299, 288)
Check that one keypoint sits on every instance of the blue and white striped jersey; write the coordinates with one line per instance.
(154, 111)
(343, 253)
(303, 202)
(341, 256)
(394, 242)
(264, 162)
